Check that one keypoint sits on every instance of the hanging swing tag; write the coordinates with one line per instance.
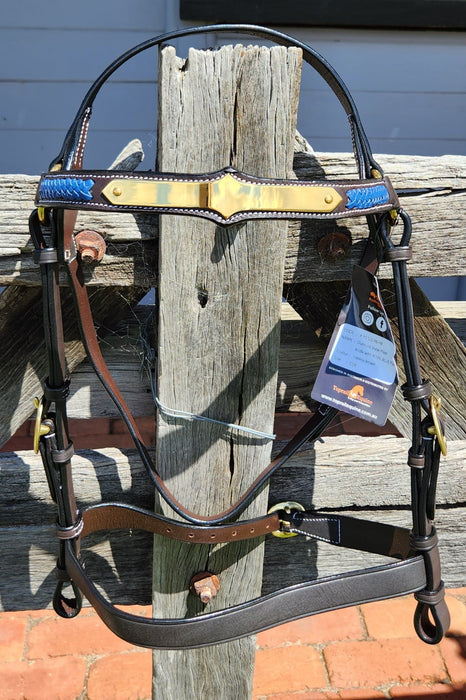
(358, 374)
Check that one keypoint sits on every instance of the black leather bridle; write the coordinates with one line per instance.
(65, 188)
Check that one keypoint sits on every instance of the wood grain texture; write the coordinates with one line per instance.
(439, 225)
(300, 355)
(219, 301)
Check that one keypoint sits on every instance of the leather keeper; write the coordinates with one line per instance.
(63, 456)
(398, 253)
(417, 392)
(59, 393)
(423, 544)
(45, 256)
(417, 461)
(431, 597)
(71, 532)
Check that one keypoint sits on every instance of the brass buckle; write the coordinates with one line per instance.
(437, 428)
(39, 427)
(287, 507)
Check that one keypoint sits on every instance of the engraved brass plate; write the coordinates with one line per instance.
(230, 195)
(227, 195)
(167, 194)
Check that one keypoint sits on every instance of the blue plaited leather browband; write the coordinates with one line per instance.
(210, 195)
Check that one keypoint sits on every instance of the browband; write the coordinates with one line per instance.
(226, 197)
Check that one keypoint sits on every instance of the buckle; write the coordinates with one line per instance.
(40, 428)
(285, 507)
(437, 427)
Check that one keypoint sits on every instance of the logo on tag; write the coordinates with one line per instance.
(356, 393)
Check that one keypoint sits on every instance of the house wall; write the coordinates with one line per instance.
(410, 86)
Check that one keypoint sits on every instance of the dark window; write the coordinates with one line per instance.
(402, 14)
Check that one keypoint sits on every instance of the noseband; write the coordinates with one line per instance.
(226, 197)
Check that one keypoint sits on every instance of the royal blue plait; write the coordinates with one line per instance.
(68, 189)
(367, 197)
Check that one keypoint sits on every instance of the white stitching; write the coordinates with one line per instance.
(239, 216)
(319, 520)
(82, 139)
(343, 184)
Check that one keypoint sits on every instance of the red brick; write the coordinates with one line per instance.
(26, 614)
(288, 669)
(458, 591)
(329, 626)
(99, 442)
(394, 618)
(95, 426)
(287, 424)
(390, 618)
(373, 663)
(312, 695)
(144, 423)
(12, 638)
(82, 636)
(121, 677)
(326, 695)
(140, 610)
(457, 610)
(360, 694)
(438, 691)
(54, 679)
(17, 443)
(453, 650)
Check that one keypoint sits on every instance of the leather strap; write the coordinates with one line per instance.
(72, 151)
(340, 530)
(226, 197)
(310, 431)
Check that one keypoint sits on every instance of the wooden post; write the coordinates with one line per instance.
(219, 295)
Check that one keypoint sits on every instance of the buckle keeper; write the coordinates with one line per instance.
(45, 256)
(71, 532)
(431, 597)
(56, 393)
(423, 544)
(63, 456)
(398, 253)
(416, 392)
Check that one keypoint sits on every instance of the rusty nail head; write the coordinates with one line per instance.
(334, 246)
(205, 585)
(91, 245)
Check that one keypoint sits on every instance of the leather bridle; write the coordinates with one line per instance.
(66, 188)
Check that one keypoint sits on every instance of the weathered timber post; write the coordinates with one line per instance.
(219, 295)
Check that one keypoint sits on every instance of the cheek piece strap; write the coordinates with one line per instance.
(414, 565)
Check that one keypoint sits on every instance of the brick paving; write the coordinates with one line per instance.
(366, 652)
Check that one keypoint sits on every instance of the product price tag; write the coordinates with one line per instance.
(358, 374)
